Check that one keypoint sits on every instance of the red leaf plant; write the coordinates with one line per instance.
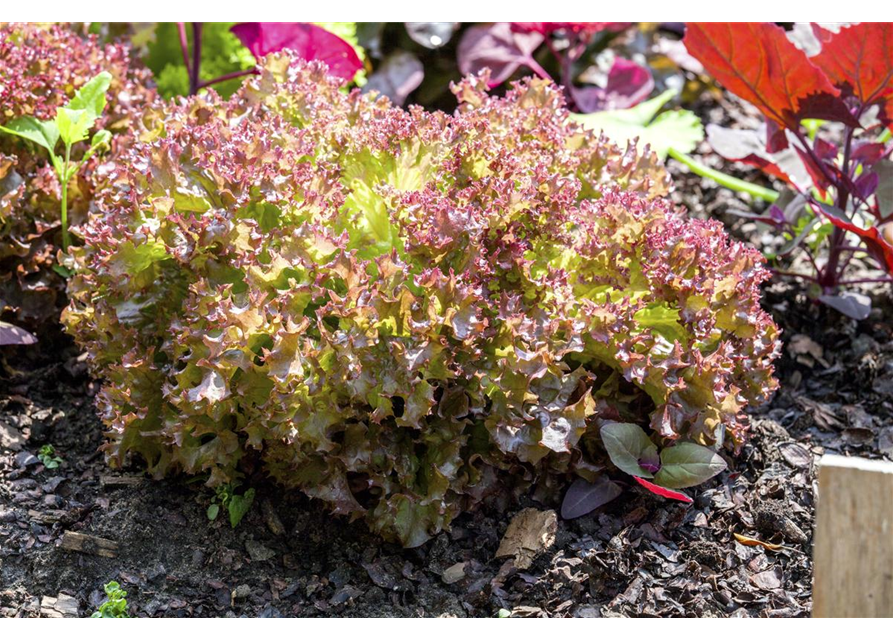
(504, 47)
(845, 180)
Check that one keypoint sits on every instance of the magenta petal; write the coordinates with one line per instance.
(305, 40)
(664, 492)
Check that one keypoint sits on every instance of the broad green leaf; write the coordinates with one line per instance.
(91, 96)
(46, 134)
(626, 444)
(680, 130)
(663, 320)
(73, 124)
(687, 464)
(239, 506)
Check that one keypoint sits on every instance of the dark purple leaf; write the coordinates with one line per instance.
(584, 497)
(306, 40)
(866, 185)
(628, 84)
(498, 48)
(398, 76)
(851, 304)
(650, 463)
(869, 152)
(13, 335)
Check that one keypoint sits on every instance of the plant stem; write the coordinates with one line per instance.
(229, 76)
(65, 177)
(830, 279)
(725, 180)
(802, 276)
(886, 280)
(184, 45)
(195, 71)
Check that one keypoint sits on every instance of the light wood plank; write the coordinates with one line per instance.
(853, 553)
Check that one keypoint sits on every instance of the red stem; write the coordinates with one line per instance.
(227, 76)
(195, 71)
(184, 45)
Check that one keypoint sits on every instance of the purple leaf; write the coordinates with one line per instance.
(650, 463)
(853, 305)
(498, 48)
(866, 185)
(628, 84)
(584, 497)
(398, 76)
(306, 40)
(13, 335)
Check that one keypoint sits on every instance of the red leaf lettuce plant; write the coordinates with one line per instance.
(55, 85)
(504, 47)
(406, 313)
(844, 181)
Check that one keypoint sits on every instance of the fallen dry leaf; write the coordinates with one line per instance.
(529, 533)
(753, 542)
(767, 580)
(795, 454)
(806, 350)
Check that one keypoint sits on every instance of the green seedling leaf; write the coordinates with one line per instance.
(91, 96)
(680, 130)
(687, 464)
(239, 506)
(115, 605)
(213, 511)
(46, 134)
(73, 124)
(626, 444)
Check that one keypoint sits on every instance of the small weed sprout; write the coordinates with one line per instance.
(115, 605)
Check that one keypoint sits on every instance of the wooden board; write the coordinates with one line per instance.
(74, 541)
(853, 554)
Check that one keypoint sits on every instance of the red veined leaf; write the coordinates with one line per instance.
(859, 61)
(663, 492)
(307, 41)
(874, 238)
(757, 62)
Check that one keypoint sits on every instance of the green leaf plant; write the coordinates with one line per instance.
(71, 125)
(236, 505)
(115, 605)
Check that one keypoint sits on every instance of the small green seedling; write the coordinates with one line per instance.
(47, 456)
(236, 505)
(72, 124)
(115, 605)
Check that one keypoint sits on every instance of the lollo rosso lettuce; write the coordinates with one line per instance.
(41, 69)
(404, 313)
